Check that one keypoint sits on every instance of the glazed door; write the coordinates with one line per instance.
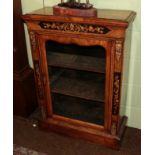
(77, 80)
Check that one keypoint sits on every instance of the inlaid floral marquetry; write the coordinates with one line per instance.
(74, 27)
(116, 93)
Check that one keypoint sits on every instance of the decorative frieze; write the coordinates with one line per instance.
(74, 27)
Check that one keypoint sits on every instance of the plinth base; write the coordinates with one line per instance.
(65, 126)
(58, 10)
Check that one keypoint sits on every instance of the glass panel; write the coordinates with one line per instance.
(79, 109)
(77, 77)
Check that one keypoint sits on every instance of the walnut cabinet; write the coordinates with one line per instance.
(78, 64)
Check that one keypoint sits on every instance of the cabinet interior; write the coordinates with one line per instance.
(77, 81)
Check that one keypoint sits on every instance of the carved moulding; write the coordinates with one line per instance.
(74, 27)
(33, 40)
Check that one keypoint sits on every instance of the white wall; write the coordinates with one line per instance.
(133, 86)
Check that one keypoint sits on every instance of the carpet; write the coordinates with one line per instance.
(27, 134)
(19, 150)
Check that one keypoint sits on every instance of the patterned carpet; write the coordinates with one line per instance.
(19, 150)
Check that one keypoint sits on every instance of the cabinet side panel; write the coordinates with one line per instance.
(126, 64)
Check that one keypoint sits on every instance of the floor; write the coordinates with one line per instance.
(27, 134)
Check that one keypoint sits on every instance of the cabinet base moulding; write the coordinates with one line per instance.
(93, 135)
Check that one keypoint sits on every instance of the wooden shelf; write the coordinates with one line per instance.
(78, 62)
(89, 90)
(79, 109)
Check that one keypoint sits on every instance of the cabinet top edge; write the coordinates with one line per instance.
(111, 17)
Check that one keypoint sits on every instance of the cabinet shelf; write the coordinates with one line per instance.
(79, 109)
(78, 87)
(78, 62)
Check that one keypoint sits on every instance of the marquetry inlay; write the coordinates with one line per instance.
(74, 27)
(116, 93)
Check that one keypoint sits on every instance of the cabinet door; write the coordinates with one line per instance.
(77, 81)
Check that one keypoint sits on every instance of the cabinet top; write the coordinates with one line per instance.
(108, 16)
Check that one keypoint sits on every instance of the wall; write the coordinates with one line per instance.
(133, 85)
